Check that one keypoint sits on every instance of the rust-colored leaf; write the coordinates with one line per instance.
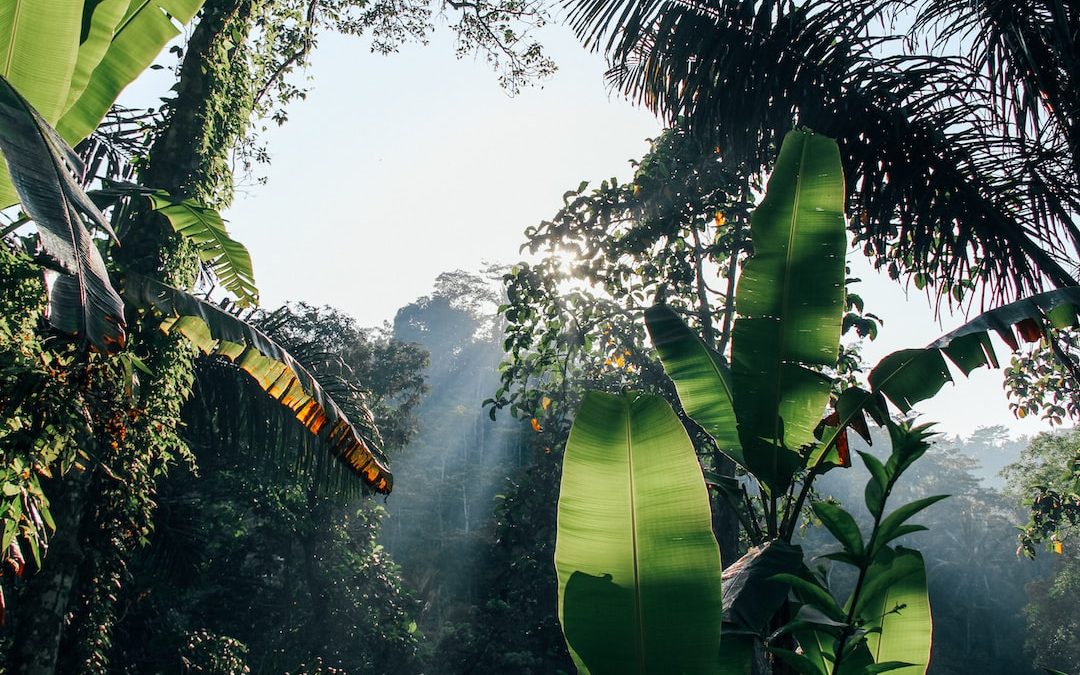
(842, 449)
(858, 423)
(536, 425)
(1029, 330)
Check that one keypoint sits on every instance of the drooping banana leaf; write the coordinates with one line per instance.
(701, 377)
(899, 606)
(216, 332)
(909, 376)
(752, 594)
(227, 258)
(147, 26)
(639, 569)
(39, 44)
(790, 301)
(82, 301)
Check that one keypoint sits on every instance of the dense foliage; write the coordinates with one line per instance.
(162, 514)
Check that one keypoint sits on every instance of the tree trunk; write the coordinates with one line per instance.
(43, 603)
(188, 159)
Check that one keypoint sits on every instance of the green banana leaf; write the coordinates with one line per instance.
(639, 570)
(896, 602)
(39, 45)
(218, 333)
(71, 59)
(700, 375)
(790, 300)
(82, 300)
(227, 258)
(99, 23)
(146, 27)
(909, 376)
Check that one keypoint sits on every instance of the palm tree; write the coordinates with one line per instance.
(962, 162)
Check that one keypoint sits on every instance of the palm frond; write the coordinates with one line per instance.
(938, 186)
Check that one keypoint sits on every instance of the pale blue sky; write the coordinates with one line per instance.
(398, 168)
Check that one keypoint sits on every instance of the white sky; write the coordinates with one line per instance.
(398, 168)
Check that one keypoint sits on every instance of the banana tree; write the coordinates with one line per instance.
(64, 66)
(85, 62)
(767, 411)
(71, 60)
(84, 304)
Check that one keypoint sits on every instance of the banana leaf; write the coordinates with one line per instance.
(82, 300)
(144, 30)
(896, 602)
(701, 378)
(909, 376)
(99, 23)
(39, 45)
(790, 300)
(216, 332)
(639, 571)
(227, 258)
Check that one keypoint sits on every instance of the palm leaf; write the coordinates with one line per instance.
(639, 570)
(218, 333)
(909, 376)
(147, 26)
(790, 300)
(943, 189)
(82, 301)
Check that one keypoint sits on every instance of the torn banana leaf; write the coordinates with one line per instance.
(218, 333)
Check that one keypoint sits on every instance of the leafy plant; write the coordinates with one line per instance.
(84, 304)
(639, 572)
(767, 413)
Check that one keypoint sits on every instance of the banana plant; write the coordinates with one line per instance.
(768, 412)
(84, 302)
(72, 59)
(620, 481)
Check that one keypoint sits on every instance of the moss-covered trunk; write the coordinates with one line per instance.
(69, 608)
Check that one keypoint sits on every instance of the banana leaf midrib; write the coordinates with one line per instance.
(639, 645)
(14, 38)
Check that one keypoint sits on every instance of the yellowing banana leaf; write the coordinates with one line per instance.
(700, 376)
(39, 44)
(216, 332)
(900, 607)
(227, 258)
(790, 302)
(82, 301)
(147, 26)
(909, 376)
(639, 570)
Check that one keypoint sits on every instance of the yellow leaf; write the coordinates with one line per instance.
(545, 403)
(720, 220)
(1059, 548)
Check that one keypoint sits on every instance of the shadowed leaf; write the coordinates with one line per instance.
(82, 301)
